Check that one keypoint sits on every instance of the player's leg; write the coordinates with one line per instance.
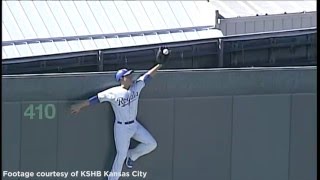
(122, 141)
(148, 143)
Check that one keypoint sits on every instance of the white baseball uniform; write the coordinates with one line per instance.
(125, 106)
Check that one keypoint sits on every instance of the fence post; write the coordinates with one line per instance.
(100, 59)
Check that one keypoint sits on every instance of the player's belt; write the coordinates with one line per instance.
(128, 122)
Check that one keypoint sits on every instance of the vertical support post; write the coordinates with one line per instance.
(100, 60)
(220, 52)
(216, 25)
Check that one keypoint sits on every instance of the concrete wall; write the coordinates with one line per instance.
(210, 124)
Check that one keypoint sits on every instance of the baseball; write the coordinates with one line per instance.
(165, 51)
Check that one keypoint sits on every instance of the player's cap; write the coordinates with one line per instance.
(122, 72)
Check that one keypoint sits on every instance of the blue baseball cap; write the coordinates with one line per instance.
(122, 72)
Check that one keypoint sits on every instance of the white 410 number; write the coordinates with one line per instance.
(47, 111)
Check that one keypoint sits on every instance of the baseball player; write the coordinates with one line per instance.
(124, 101)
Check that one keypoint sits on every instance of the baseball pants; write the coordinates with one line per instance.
(122, 135)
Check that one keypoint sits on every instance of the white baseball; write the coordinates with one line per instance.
(165, 51)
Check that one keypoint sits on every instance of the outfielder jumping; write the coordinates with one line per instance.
(124, 101)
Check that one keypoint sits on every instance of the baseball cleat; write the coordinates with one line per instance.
(129, 162)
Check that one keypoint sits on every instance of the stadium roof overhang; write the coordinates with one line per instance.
(68, 44)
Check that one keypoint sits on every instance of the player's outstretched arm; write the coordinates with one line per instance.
(152, 72)
(75, 108)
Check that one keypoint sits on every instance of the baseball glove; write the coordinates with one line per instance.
(163, 55)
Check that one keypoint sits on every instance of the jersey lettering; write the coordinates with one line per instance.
(125, 101)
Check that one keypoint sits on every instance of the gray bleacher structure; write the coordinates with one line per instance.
(201, 35)
(265, 23)
(285, 48)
